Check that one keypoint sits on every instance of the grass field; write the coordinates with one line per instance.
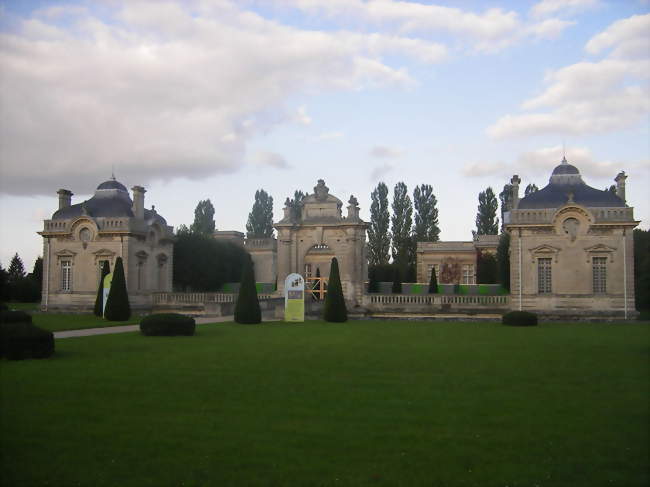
(354, 404)
(70, 321)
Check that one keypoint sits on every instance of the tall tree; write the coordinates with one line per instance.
(334, 309)
(295, 204)
(260, 219)
(203, 218)
(4, 288)
(247, 309)
(531, 188)
(37, 271)
(426, 227)
(401, 222)
(487, 222)
(503, 261)
(16, 269)
(642, 269)
(117, 302)
(378, 236)
(505, 197)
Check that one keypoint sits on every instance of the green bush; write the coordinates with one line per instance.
(247, 309)
(433, 283)
(397, 281)
(20, 339)
(167, 324)
(519, 318)
(334, 309)
(117, 303)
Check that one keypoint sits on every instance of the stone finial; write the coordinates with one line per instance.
(353, 201)
(514, 199)
(84, 208)
(321, 191)
(353, 209)
(620, 185)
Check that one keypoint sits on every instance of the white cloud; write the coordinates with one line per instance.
(330, 135)
(592, 96)
(548, 7)
(271, 159)
(385, 152)
(380, 171)
(165, 89)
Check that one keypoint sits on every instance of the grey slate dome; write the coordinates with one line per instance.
(566, 185)
(111, 199)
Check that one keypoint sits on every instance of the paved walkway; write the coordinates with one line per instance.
(109, 330)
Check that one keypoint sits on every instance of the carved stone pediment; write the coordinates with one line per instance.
(544, 250)
(141, 254)
(600, 250)
(65, 254)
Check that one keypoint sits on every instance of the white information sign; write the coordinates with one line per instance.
(294, 298)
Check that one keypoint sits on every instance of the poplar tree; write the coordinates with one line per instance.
(487, 222)
(260, 219)
(505, 197)
(203, 218)
(426, 214)
(401, 222)
(378, 234)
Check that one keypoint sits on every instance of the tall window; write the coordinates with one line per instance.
(543, 276)
(140, 275)
(468, 274)
(307, 271)
(66, 275)
(599, 266)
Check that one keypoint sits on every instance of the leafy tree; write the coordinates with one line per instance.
(531, 188)
(378, 236)
(202, 263)
(4, 278)
(433, 283)
(247, 309)
(117, 303)
(401, 222)
(426, 227)
(334, 309)
(487, 222)
(16, 269)
(486, 268)
(99, 300)
(642, 269)
(182, 229)
(296, 204)
(505, 197)
(37, 271)
(260, 219)
(203, 218)
(503, 261)
(397, 280)
(373, 284)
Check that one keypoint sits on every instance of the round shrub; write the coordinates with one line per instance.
(15, 317)
(519, 318)
(21, 340)
(167, 324)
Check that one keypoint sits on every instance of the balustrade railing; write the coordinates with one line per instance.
(436, 299)
(200, 298)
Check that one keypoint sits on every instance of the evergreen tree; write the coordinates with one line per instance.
(531, 188)
(486, 268)
(16, 270)
(642, 269)
(401, 222)
(117, 303)
(433, 283)
(505, 197)
(37, 271)
(426, 214)
(247, 309)
(334, 309)
(378, 235)
(99, 300)
(503, 261)
(295, 204)
(373, 284)
(260, 219)
(397, 280)
(487, 222)
(203, 218)
(4, 290)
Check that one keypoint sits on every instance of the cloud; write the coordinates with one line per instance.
(380, 171)
(329, 135)
(592, 96)
(271, 159)
(385, 152)
(538, 164)
(166, 90)
(548, 7)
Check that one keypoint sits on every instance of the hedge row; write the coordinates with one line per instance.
(519, 318)
(167, 324)
(20, 339)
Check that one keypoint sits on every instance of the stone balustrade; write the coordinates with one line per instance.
(431, 303)
(545, 216)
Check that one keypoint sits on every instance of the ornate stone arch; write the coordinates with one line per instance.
(572, 220)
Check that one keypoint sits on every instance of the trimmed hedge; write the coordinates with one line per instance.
(334, 309)
(117, 302)
(167, 324)
(519, 318)
(20, 339)
(247, 308)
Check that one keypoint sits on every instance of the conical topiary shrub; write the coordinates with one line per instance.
(99, 300)
(334, 309)
(433, 283)
(117, 303)
(397, 281)
(247, 309)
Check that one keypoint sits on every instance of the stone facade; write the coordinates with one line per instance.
(571, 248)
(454, 262)
(78, 238)
(308, 241)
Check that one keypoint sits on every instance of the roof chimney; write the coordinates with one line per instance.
(620, 185)
(514, 200)
(65, 198)
(138, 201)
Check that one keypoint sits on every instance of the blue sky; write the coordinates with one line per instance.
(215, 99)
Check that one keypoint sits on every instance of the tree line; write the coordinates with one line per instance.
(18, 285)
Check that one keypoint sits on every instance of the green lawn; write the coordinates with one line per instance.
(70, 321)
(354, 404)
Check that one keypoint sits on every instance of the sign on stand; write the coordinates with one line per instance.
(106, 288)
(294, 298)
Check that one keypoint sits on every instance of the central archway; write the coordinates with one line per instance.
(317, 263)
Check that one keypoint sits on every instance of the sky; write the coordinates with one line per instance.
(214, 99)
